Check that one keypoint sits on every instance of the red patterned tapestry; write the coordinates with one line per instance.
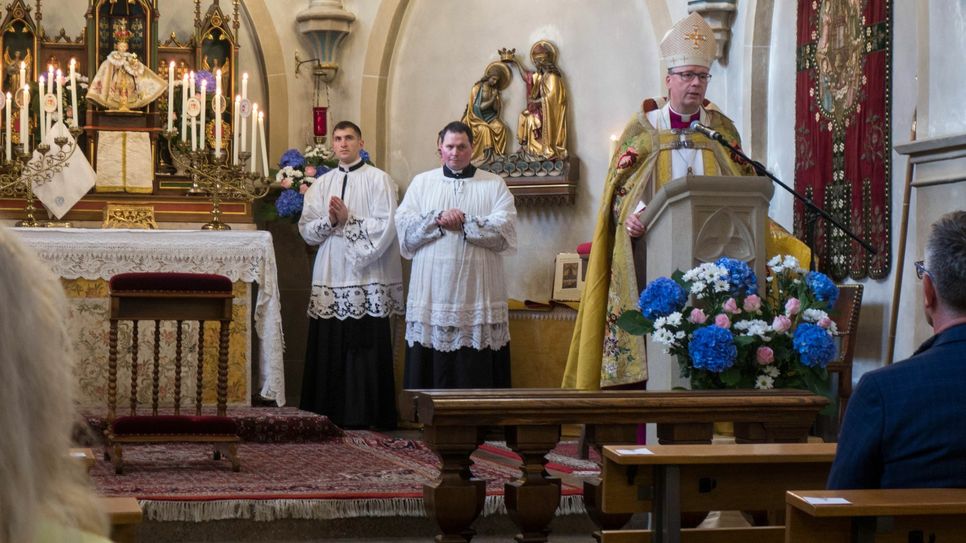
(842, 131)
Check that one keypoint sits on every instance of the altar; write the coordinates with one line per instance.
(86, 259)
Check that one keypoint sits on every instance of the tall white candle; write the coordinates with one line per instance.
(60, 97)
(50, 78)
(24, 115)
(216, 115)
(254, 136)
(201, 125)
(73, 91)
(7, 126)
(234, 130)
(261, 130)
(184, 108)
(41, 114)
(170, 95)
(23, 73)
(244, 127)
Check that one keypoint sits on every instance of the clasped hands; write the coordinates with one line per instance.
(634, 226)
(338, 211)
(451, 219)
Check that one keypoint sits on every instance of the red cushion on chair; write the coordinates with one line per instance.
(584, 248)
(174, 425)
(156, 281)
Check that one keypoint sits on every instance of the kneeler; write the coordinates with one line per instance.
(170, 297)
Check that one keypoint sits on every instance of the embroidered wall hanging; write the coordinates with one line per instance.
(842, 131)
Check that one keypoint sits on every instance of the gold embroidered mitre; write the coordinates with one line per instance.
(690, 42)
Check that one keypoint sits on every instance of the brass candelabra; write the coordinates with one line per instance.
(21, 173)
(215, 174)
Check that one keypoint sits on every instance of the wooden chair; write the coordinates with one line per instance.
(845, 314)
(172, 297)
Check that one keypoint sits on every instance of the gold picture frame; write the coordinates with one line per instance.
(568, 277)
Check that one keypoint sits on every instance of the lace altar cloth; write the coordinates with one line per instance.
(246, 256)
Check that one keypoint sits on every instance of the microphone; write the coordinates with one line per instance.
(713, 134)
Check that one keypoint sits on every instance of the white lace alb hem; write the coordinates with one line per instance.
(452, 338)
(355, 302)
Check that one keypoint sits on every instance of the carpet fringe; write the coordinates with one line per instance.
(308, 509)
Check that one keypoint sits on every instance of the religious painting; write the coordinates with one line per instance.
(842, 135)
(568, 277)
(132, 15)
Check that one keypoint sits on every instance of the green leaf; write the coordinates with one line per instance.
(745, 341)
(633, 322)
(731, 377)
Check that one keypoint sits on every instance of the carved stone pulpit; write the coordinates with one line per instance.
(698, 219)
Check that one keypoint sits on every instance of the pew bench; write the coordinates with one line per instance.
(883, 516)
(455, 423)
(668, 480)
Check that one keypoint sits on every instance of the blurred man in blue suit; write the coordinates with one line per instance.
(905, 426)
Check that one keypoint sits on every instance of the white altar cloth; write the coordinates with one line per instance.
(248, 256)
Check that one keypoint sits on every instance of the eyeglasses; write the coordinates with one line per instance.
(920, 268)
(689, 76)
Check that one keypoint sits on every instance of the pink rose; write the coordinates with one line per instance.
(627, 159)
(722, 321)
(697, 316)
(303, 188)
(731, 306)
(764, 355)
(752, 303)
(825, 322)
(310, 171)
(792, 306)
(781, 324)
(286, 183)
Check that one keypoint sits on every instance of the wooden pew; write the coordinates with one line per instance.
(456, 421)
(670, 479)
(125, 515)
(894, 515)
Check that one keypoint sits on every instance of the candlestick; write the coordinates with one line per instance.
(8, 144)
(204, 110)
(60, 97)
(261, 129)
(41, 114)
(73, 91)
(170, 95)
(24, 114)
(254, 136)
(215, 103)
(184, 108)
(234, 130)
(244, 127)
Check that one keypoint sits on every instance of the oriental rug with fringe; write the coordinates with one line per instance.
(362, 474)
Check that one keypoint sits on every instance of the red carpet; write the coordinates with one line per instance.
(363, 474)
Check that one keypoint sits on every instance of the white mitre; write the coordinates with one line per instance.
(690, 42)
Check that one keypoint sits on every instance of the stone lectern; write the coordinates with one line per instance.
(697, 219)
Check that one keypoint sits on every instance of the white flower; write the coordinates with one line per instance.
(721, 286)
(697, 287)
(771, 371)
(813, 315)
(674, 319)
(754, 327)
(664, 337)
(765, 382)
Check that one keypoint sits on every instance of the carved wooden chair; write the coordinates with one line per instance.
(846, 317)
(175, 297)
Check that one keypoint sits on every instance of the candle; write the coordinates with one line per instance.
(201, 125)
(50, 79)
(217, 114)
(613, 144)
(41, 114)
(73, 91)
(234, 130)
(7, 126)
(254, 136)
(23, 74)
(184, 108)
(24, 113)
(170, 95)
(261, 129)
(244, 97)
(60, 96)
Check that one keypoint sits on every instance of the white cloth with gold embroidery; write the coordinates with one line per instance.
(68, 186)
(690, 42)
(124, 162)
(124, 81)
(78, 253)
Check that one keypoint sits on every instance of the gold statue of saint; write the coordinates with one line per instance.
(482, 113)
(122, 82)
(542, 126)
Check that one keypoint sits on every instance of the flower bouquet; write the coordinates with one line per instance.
(731, 337)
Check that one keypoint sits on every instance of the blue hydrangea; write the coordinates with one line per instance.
(823, 289)
(814, 345)
(289, 203)
(740, 276)
(712, 348)
(205, 75)
(364, 155)
(661, 297)
(321, 169)
(292, 158)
